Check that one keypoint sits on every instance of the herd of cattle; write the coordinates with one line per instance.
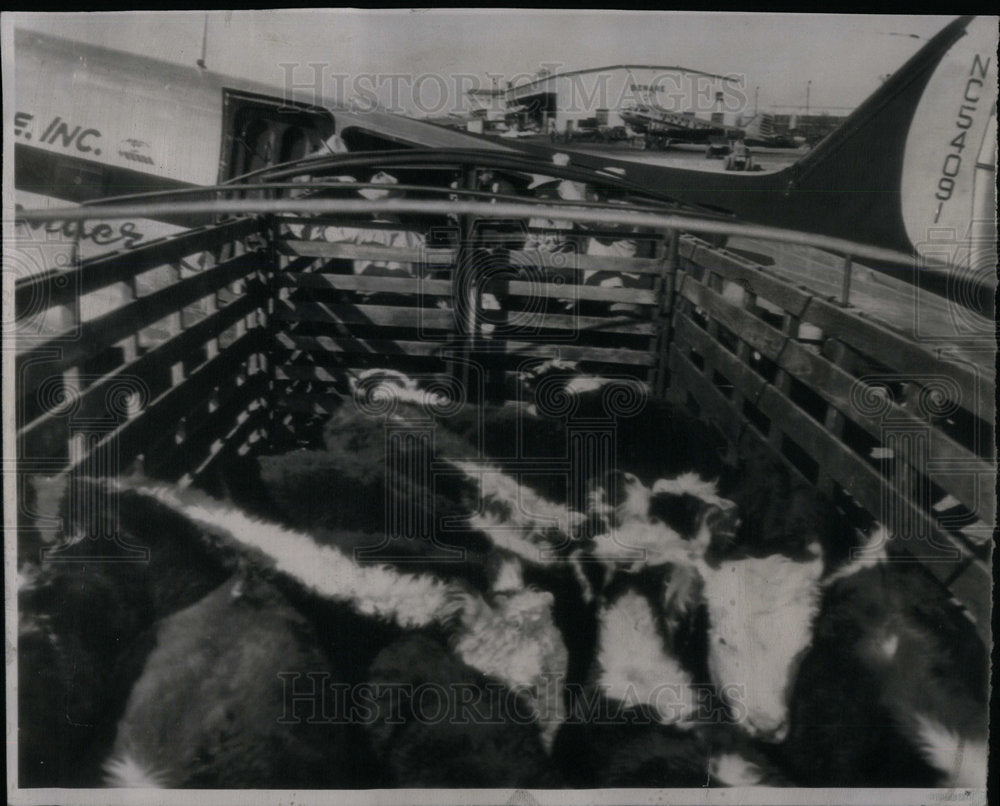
(449, 595)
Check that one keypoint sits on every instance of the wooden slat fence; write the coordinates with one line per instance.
(249, 341)
(872, 417)
(329, 321)
(171, 370)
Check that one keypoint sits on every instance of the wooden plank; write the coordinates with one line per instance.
(122, 265)
(601, 355)
(298, 265)
(858, 478)
(354, 282)
(208, 427)
(211, 428)
(762, 282)
(377, 315)
(759, 335)
(782, 287)
(665, 289)
(715, 408)
(975, 382)
(513, 350)
(579, 324)
(864, 335)
(240, 436)
(361, 221)
(443, 288)
(353, 345)
(585, 262)
(732, 265)
(348, 344)
(405, 317)
(163, 414)
(887, 298)
(748, 382)
(167, 353)
(735, 427)
(754, 388)
(445, 257)
(782, 378)
(839, 389)
(105, 331)
(834, 420)
(352, 251)
(345, 221)
(592, 293)
(821, 375)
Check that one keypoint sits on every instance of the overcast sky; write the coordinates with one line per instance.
(842, 55)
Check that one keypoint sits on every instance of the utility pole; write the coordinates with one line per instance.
(808, 87)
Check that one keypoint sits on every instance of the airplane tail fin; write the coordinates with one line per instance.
(911, 170)
(760, 127)
(910, 159)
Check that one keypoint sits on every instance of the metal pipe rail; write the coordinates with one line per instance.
(579, 212)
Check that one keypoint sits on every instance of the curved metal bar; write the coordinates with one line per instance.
(99, 205)
(575, 211)
(459, 159)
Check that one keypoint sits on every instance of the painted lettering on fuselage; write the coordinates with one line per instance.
(58, 132)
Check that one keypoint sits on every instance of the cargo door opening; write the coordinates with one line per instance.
(259, 131)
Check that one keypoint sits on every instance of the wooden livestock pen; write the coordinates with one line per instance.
(246, 348)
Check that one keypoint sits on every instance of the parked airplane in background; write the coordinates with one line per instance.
(662, 127)
(759, 131)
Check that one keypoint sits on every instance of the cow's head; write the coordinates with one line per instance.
(677, 521)
(693, 508)
(760, 609)
(618, 498)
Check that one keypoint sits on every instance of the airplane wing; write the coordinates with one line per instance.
(912, 169)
